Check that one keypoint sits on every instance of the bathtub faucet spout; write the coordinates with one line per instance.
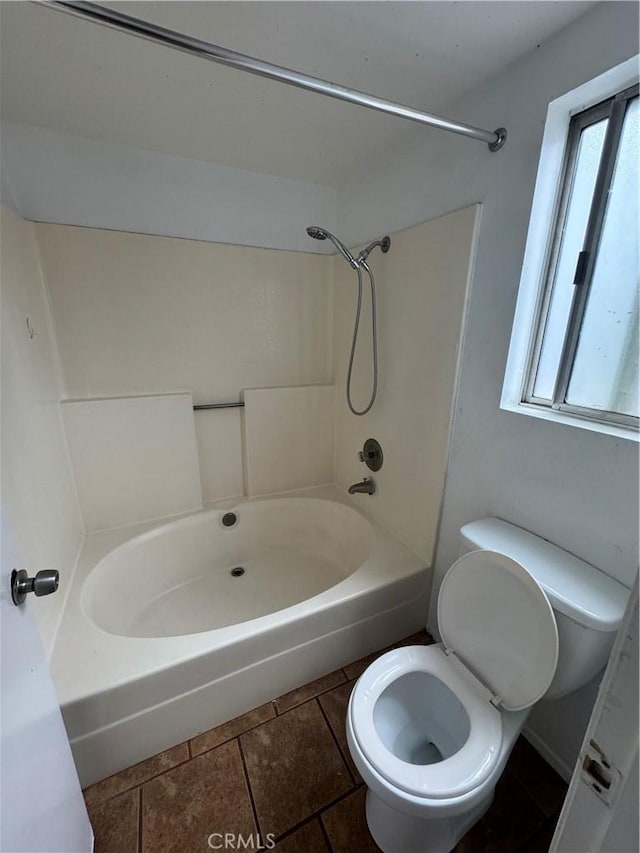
(366, 487)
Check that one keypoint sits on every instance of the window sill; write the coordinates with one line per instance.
(610, 429)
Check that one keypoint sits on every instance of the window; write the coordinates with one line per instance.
(579, 318)
(585, 354)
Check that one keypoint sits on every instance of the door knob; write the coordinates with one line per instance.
(44, 583)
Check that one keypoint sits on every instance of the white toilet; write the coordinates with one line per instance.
(430, 728)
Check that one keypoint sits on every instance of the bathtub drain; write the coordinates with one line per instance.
(237, 572)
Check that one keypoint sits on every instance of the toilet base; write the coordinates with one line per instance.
(395, 832)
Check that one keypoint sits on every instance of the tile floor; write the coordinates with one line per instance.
(284, 768)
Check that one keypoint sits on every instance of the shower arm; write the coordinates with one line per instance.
(215, 53)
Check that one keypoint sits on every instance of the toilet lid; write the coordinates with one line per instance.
(499, 622)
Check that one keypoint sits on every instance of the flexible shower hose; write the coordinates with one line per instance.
(354, 340)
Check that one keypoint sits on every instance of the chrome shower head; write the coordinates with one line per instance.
(323, 234)
(316, 233)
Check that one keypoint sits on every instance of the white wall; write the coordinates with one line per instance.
(576, 488)
(57, 177)
(38, 496)
(136, 314)
(421, 286)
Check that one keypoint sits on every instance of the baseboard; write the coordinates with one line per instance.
(548, 754)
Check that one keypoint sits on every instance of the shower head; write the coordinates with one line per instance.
(323, 234)
(316, 233)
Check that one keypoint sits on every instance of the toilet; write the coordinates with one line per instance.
(430, 728)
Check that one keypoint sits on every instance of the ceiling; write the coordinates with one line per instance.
(72, 76)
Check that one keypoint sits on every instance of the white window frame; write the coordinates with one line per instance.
(542, 227)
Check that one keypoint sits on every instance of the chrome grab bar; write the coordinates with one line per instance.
(202, 406)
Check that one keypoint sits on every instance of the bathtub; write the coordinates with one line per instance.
(170, 629)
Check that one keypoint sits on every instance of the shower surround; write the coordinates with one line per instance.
(137, 315)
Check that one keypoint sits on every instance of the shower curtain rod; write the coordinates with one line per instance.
(214, 53)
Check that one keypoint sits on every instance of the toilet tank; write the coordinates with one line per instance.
(588, 605)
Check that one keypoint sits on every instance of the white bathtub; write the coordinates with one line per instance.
(159, 641)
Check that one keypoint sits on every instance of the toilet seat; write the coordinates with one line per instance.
(452, 777)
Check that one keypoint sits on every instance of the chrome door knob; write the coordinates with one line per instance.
(44, 583)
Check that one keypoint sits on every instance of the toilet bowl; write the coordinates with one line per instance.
(430, 728)
(426, 725)
(436, 753)
(425, 728)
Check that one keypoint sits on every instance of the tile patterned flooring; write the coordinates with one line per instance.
(284, 768)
